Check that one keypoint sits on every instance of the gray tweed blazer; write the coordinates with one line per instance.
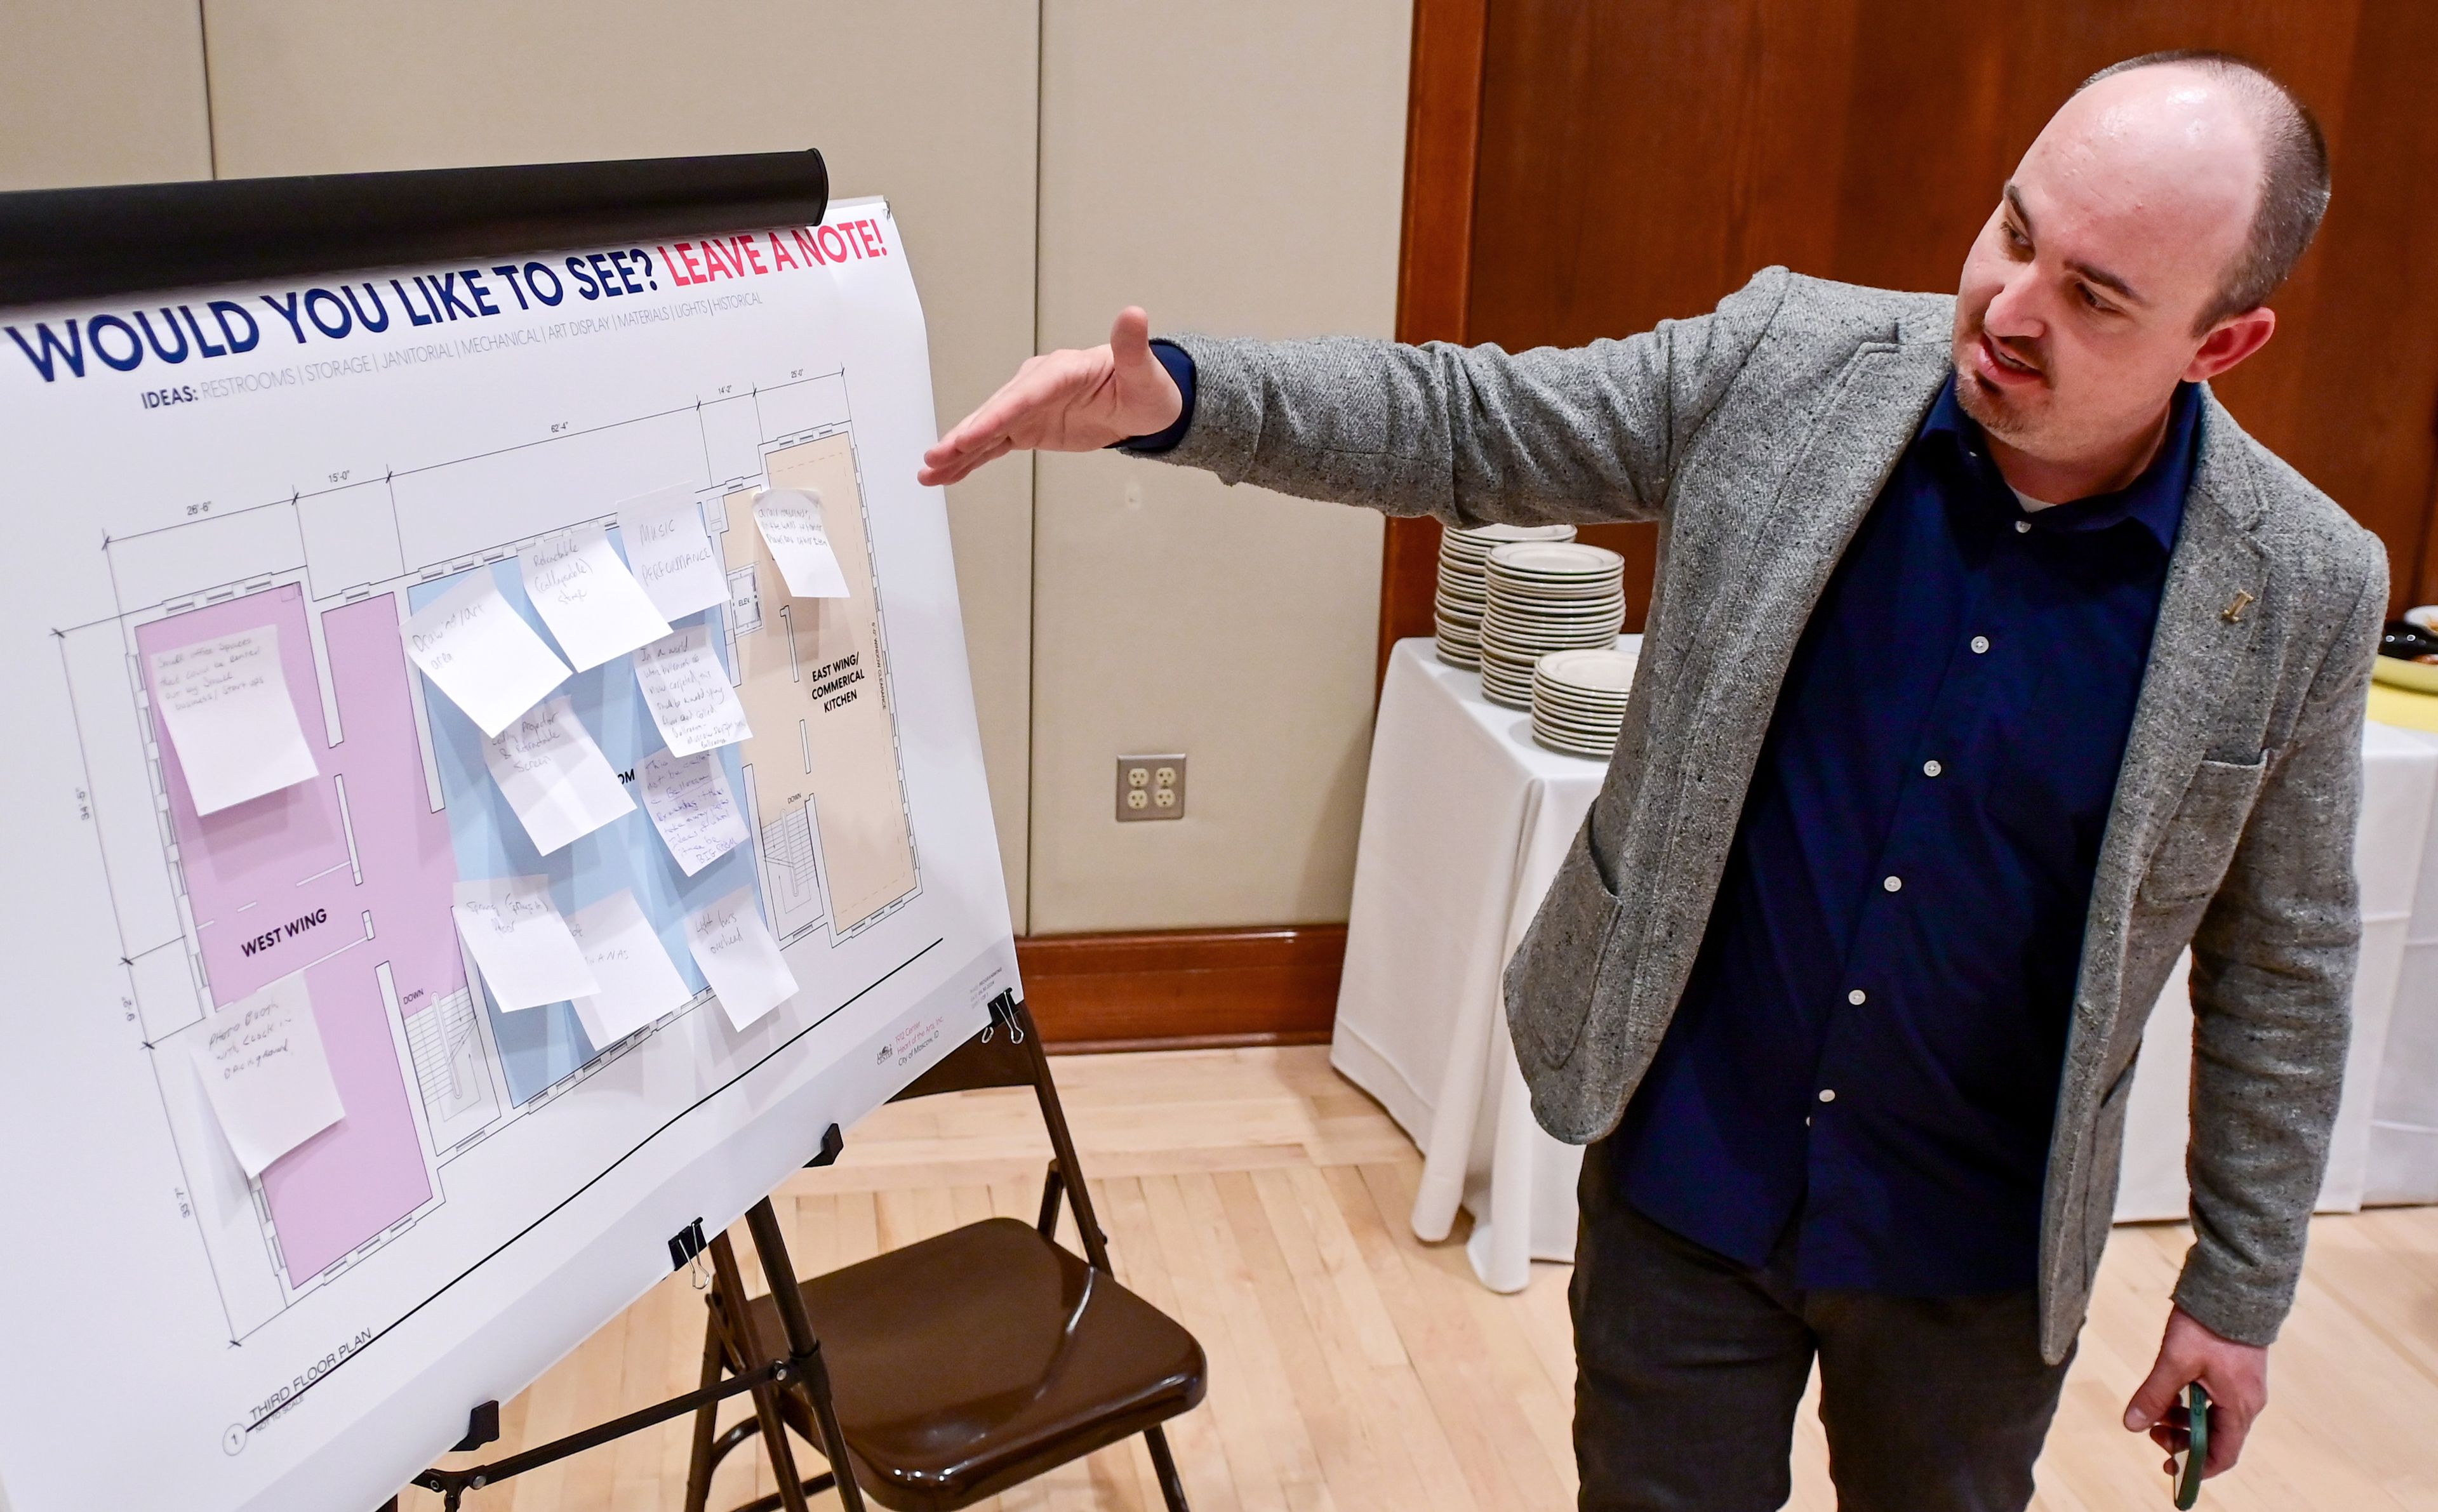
(1758, 436)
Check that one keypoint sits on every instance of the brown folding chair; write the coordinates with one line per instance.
(966, 1363)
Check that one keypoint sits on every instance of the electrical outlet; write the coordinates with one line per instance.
(1151, 787)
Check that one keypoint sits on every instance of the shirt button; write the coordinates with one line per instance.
(1892, 883)
(1827, 1094)
(2022, 527)
(1858, 998)
(1931, 768)
(1980, 644)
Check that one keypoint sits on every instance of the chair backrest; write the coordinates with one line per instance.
(1006, 1052)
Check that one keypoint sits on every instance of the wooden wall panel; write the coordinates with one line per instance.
(1639, 160)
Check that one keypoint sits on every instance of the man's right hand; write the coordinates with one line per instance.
(1065, 401)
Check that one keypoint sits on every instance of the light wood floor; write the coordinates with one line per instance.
(1261, 1201)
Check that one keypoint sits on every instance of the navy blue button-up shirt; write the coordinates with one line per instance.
(1869, 1046)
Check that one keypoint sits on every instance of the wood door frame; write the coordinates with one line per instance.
(1434, 262)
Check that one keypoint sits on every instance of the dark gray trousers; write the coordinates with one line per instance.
(1690, 1367)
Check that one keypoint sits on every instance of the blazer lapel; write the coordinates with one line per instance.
(1847, 457)
(2209, 614)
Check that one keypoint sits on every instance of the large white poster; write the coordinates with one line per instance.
(302, 469)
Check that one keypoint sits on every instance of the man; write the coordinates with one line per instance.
(1992, 664)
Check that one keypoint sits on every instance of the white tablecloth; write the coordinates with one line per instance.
(1464, 822)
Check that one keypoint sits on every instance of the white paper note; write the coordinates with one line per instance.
(693, 807)
(228, 714)
(520, 944)
(587, 596)
(670, 553)
(263, 1068)
(739, 958)
(639, 982)
(553, 776)
(688, 692)
(484, 657)
(791, 527)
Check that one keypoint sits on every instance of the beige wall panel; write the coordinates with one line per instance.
(102, 92)
(931, 102)
(1234, 168)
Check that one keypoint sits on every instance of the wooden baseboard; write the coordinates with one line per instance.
(1184, 988)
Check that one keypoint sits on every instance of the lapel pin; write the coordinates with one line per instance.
(2233, 614)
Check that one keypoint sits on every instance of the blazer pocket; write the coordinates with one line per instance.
(2193, 855)
(1551, 982)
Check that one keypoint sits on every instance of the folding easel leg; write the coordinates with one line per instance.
(1163, 1464)
(804, 1347)
(706, 1424)
(730, 1283)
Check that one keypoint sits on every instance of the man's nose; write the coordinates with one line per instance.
(2016, 312)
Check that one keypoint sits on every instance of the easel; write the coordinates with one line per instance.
(800, 1369)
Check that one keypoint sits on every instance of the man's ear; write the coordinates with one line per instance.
(2229, 342)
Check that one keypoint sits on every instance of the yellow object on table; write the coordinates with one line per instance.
(2392, 705)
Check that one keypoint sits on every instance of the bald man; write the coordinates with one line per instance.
(1991, 665)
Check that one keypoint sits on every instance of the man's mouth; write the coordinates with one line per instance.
(2001, 368)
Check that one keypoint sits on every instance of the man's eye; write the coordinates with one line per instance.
(2014, 237)
(2091, 298)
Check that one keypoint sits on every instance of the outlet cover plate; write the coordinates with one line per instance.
(1151, 787)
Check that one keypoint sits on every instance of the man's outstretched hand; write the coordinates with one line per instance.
(2235, 1376)
(1065, 401)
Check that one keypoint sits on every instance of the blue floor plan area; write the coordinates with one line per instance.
(540, 1046)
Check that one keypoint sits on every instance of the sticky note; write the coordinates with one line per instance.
(688, 692)
(670, 553)
(587, 597)
(693, 807)
(791, 527)
(553, 776)
(520, 944)
(226, 707)
(639, 982)
(473, 645)
(739, 958)
(265, 1073)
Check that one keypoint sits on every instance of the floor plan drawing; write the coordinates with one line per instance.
(348, 878)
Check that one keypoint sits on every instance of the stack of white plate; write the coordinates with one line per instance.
(1463, 594)
(1578, 700)
(1545, 596)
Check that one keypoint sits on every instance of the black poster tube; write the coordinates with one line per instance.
(63, 244)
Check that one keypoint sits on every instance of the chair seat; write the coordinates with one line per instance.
(971, 1362)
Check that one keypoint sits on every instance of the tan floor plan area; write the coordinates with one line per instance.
(823, 761)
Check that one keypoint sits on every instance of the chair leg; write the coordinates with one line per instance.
(1163, 1464)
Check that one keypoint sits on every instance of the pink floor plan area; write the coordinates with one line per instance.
(346, 878)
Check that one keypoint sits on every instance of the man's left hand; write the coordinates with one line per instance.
(2235, 1376)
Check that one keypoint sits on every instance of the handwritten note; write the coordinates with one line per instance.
(553, 776)
(690, 805)
(639, 982)
(265, 1072)
(739, 958)
(481, 652)
(670, 553)
(520, 944)
(226, 706)
(791, 527)
(587, 597)
(688, 692)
